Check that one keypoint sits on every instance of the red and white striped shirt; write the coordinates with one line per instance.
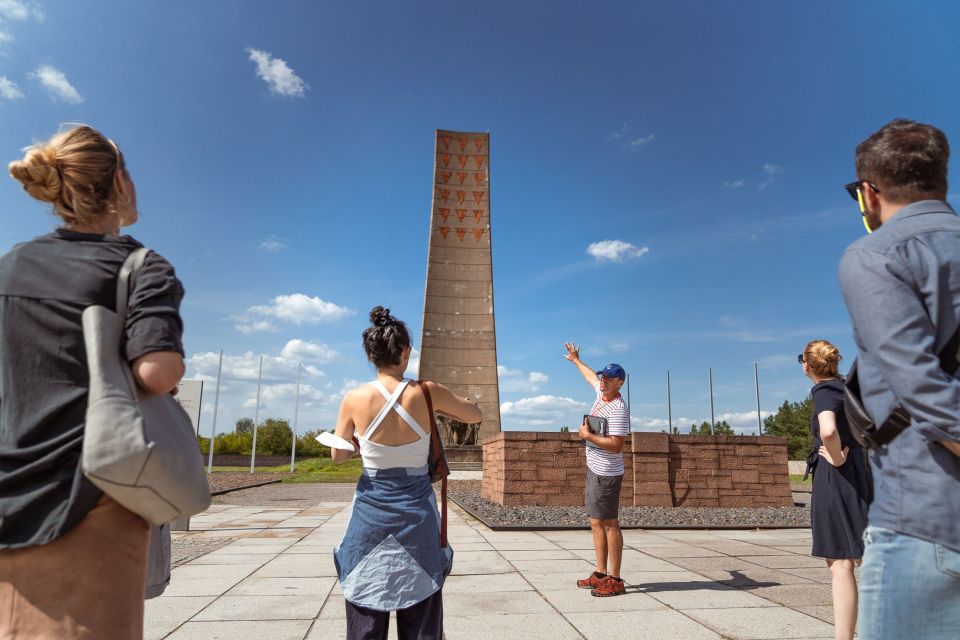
(601, 461)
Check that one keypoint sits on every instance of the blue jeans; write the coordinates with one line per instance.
(909, 588)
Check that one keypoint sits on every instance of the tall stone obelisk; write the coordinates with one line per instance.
(459, 343)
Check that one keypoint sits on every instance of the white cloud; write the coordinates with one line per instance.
(297, 349)
(5, 37)
(639, 142)
(413, 367)
(247, 326)
(57, 84)
(9, 89)
(515, 380)
(772, 169)
(19, 10)
(273, 244)
(615, 250)
(736, 184)
(619, 134)
(744, 421)
(279, 77)
(245, 367)
(777, 361)
(297, 308)
(544, 410)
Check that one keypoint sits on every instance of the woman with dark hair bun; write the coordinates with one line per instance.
(390, 557)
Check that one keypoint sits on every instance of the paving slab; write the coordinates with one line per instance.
(277, 579)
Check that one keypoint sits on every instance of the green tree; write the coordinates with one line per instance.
(274, 437)
(721, 428)
(308, 447)
(792, 420)
(244, 425)
(564, 429)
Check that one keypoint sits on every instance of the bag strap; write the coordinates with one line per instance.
(127, 278)
(438, 455)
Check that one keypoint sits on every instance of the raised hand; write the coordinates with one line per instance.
(573, 351)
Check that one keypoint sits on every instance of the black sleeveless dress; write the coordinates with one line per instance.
(841, 495)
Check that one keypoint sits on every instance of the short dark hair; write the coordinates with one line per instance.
(907, 160)
(386, 339)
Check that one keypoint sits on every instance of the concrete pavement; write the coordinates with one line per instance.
(275, 579)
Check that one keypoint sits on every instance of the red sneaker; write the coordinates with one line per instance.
(610, 586)
(591, 582)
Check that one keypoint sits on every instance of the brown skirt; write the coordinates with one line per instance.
(87, 584)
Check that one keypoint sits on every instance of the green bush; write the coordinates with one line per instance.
(793, 421)
(274, 438)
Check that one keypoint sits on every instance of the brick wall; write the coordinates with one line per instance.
(528, 468)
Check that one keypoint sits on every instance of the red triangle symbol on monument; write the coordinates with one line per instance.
(461, 231)
(478, 178)
(443, 232)
(445, 176)
(478, 143)
(461, 176)
(462, 142)
(478, 160)
(463, 161)
(445, 159)
(477, 196)
(443, 194)
(443, 213)
(477, 234)
(478, 214)
(461, 214)
(445, 141)
(461, 195)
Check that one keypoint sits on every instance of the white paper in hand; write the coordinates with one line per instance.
(328, 439)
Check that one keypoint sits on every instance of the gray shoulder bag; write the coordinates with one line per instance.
(138, 448)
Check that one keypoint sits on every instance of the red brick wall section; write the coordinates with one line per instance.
(532, 468)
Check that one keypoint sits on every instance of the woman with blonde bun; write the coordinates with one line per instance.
(841, 483)
(72, 561)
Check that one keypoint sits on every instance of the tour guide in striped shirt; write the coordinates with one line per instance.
(604, 473)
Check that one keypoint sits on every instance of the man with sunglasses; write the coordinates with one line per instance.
(901, 285)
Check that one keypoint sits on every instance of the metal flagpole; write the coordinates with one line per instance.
(669, 404)
(216, 405)
(256, 419)
(296, 415)
(628, 401)
(756, 380)
(710, 374)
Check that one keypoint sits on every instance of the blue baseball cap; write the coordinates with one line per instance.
(613, 370)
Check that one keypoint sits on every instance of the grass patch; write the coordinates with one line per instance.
(798, 479)
(311, 470)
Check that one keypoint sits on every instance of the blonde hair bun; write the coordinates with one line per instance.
(823, 359)
(38, 173)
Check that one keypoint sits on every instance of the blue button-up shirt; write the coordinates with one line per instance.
(902, 289)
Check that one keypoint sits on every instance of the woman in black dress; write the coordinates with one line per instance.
(841, 483)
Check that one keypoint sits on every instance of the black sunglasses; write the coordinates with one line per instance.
(800, 359)
(853, 187)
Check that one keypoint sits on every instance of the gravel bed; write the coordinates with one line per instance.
(185, 549)
(221, 480)
(466, 493)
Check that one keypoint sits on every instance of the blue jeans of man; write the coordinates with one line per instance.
(909, 588)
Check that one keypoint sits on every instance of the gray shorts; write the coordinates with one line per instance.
(602, 496)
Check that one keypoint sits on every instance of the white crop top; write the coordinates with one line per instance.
(384, 456)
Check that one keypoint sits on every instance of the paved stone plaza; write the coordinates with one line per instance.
(275, 579)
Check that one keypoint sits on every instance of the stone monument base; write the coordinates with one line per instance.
(660, 470)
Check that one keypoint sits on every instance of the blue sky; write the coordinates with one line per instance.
(283, 155)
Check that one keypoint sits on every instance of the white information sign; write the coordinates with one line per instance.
(189, 395)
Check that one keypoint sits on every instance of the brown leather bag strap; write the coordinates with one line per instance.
(435, 445)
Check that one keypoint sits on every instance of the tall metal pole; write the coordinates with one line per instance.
(628, 403)
(256, 419)
(216, 405)
(296, 415)
(756, 380)
(710, 374)
(669, 404)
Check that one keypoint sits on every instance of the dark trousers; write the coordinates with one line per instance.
(422, 621)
